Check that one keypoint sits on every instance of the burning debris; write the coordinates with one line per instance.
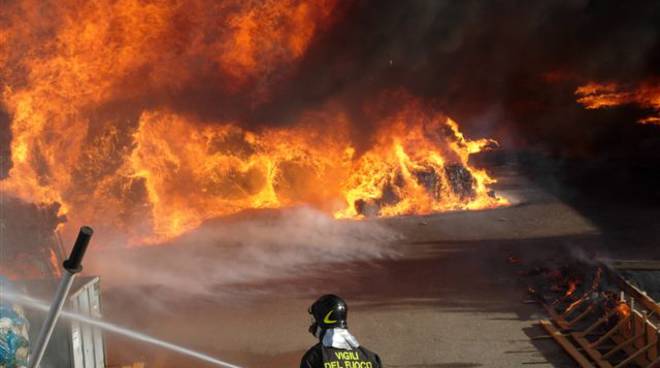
(425, 170)
(459, 179)
(596, 315)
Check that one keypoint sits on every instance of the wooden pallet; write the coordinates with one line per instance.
(567, 345)
(633, 341)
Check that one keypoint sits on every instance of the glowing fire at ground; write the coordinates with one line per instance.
(602, 95)
(94, 125)
(572, 286)
(595, 283)
(622, 310)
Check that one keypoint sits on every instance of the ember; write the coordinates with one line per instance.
(572, 286)
(622, 310)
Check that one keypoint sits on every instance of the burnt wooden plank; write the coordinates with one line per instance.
(568, 346)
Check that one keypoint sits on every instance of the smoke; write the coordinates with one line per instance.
(27, 238)
(524, 58)
(232, 255)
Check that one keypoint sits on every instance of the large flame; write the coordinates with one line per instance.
(194, 171)
(601, 95)
(416, 167)
(92, 89)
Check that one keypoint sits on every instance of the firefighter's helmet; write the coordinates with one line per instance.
(329, 311)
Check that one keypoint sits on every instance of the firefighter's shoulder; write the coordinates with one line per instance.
(313, 357)
(371, 356)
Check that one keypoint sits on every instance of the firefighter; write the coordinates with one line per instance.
(337, 348)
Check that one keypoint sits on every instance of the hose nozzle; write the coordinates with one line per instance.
(74, 263)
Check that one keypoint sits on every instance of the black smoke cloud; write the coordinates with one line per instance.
(502, 68)
(506, 69)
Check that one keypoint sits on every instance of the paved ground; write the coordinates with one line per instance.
(445, 297)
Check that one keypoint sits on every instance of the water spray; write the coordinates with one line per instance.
(37, 304)
(72, 266)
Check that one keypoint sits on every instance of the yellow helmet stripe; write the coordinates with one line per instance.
(327, 319)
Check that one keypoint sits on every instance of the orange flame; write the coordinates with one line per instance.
(572, 286)
(79, 81)
(602, 95)
(404, 157)
(622, 310)
(595, 283)
(194, 174)
(180, 172)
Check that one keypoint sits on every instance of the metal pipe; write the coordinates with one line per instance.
(72, 266)
(49, 324)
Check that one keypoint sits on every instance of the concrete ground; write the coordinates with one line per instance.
(448, 298)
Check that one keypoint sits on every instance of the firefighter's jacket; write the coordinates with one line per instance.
(339, 349)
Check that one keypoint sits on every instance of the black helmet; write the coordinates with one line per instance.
(329, 311)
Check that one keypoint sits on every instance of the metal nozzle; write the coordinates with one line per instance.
(74, 263)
